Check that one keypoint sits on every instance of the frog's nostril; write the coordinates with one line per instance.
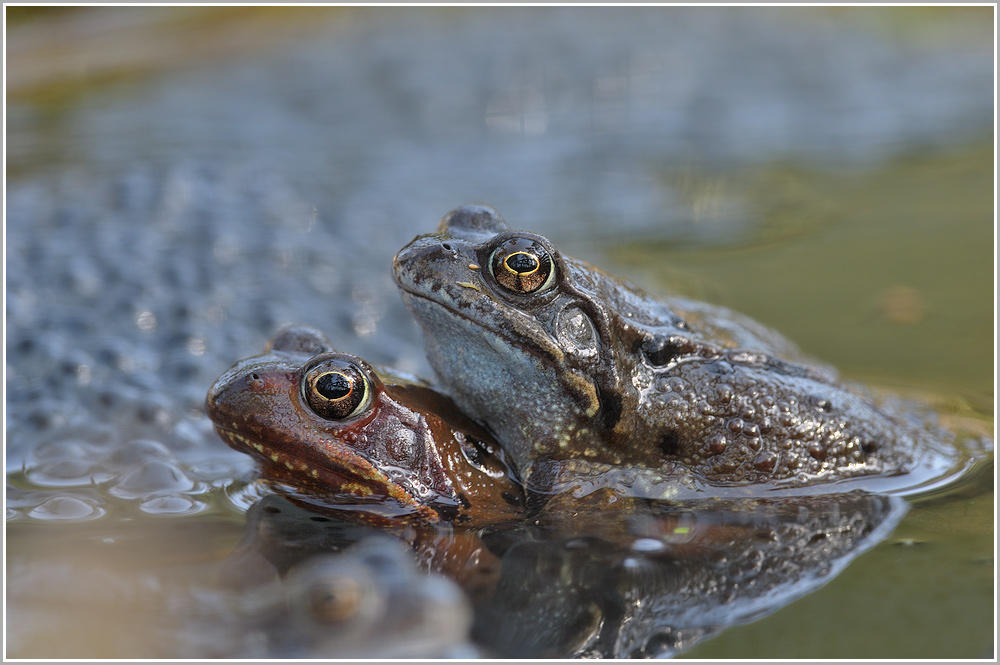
(255, 381)
(447, 247)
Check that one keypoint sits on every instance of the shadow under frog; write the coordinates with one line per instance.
(588, 382)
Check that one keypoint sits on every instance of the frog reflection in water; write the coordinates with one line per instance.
(584, 378)
(333, 430)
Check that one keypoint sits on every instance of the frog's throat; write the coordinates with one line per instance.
(582, 387)
(539, 345)
(354, 475)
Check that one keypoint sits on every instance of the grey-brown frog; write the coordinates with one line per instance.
(588, 382)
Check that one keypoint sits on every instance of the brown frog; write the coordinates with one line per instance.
(588, 382)
(331, 428)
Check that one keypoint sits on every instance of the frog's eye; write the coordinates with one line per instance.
(522, 265)
(336, 389)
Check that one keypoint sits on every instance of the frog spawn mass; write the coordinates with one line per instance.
(597, 377)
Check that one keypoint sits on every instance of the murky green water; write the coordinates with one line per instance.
(873, 272)
(901, 600)
(177, 190)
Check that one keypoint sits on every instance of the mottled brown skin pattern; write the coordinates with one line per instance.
(405, 455)
(594, 375)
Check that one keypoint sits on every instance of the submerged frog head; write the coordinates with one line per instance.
(329, 426)
(567, 364)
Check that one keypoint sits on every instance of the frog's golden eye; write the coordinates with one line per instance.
(336, 389)
(522, 265)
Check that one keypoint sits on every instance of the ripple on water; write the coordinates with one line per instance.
(243, 495)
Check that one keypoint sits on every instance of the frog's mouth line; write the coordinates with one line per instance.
(334, 480)
(539, 346)
(264, 453)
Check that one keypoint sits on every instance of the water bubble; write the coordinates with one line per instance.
(172, 504)
(137, 451)
(63, 473)
(152, 476)
(647, 545)
(60, 449)
(66, 508)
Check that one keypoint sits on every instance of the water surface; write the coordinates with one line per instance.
(178, 189)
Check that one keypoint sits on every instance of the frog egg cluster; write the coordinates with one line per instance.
(127, 296)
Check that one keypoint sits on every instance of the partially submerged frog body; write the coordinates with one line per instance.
(332, 429)
(586, 379)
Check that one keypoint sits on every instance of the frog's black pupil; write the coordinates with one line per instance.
(521, 262)
(333, 385)
(521, 266)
